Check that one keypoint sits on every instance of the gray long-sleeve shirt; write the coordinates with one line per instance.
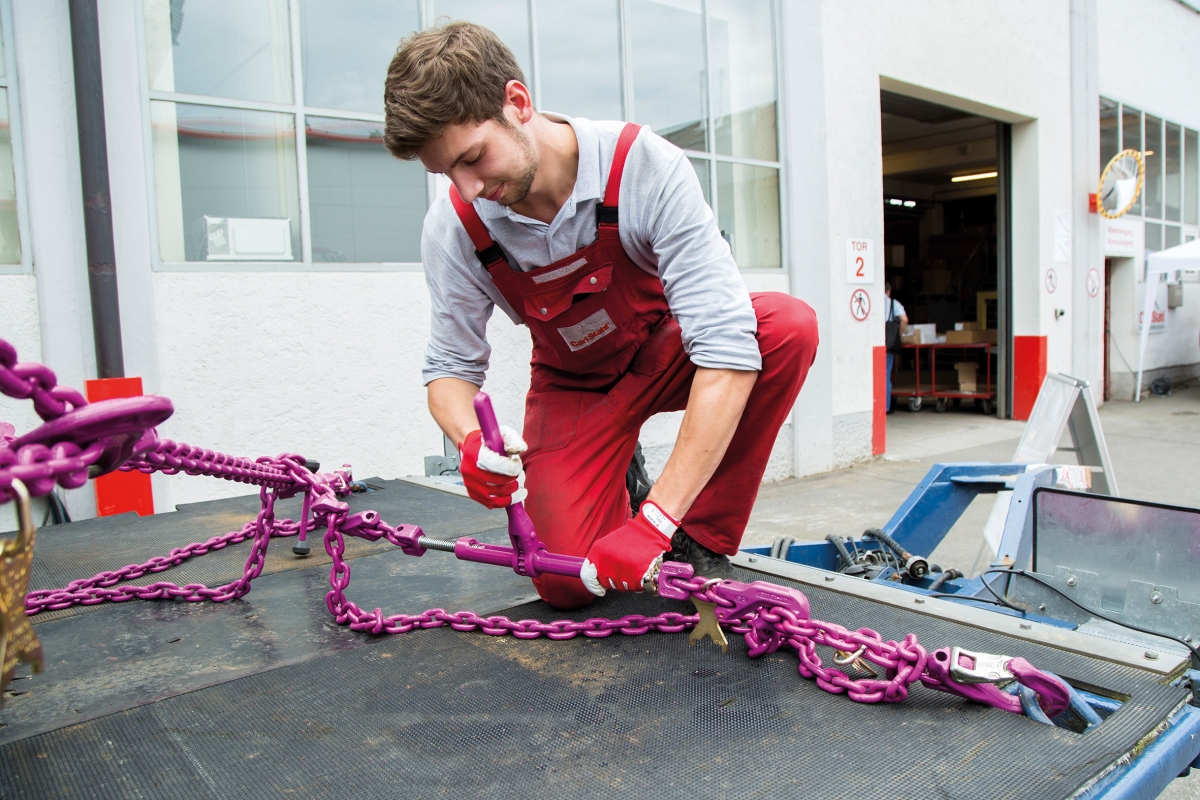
(666, 229)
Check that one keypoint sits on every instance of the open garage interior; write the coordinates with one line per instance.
(942, 170)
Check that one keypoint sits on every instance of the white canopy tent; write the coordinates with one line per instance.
(1164, 262)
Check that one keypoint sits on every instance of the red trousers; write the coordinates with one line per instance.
(581, 442)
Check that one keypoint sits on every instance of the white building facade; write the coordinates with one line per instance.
(267, 247)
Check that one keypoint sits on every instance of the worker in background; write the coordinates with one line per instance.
(597, 237)
(896, 323)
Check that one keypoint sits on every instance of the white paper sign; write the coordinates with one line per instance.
(860, 261)
(1123, 238)
(1062, 237)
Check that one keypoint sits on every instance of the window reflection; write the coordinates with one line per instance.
(227, 178)
(224, 48)
(10, 238)
(508, 19)
(346, 48)
(702, 172)
(579, 53)
(365, 205)
(1109, 131)
(741, 49)
(226, 183)
(1131, 139)
(1171, 236)
(1154, 236)
(1191, 176)
(748, 213)
(1172, 160)
(1153, 193)
(668, 70)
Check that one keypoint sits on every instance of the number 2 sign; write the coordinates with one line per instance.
(860, 261)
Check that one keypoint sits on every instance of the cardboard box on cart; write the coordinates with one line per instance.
(967, 376)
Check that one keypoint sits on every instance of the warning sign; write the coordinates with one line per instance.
(860, 304)
(1051, 280)
(1093, 282)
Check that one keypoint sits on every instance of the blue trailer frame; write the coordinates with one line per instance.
(920, 524)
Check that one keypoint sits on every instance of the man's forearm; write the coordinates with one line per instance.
(714, 410)
(450, 403)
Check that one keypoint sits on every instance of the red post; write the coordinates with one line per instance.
(1029, 370)
(879, 412)
(118, 492)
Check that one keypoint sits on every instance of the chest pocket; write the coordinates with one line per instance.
(551, 298)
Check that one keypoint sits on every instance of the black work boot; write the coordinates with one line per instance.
(705, 562)
(637, 480)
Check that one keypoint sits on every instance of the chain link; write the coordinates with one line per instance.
(37, 383)
(40, 466)
(765, 631)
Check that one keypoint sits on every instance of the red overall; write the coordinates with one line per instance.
(607, 356)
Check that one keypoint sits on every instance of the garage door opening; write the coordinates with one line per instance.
(945, 180)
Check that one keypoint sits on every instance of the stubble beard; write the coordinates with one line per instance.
(522, 184)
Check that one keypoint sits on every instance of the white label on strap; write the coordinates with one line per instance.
(595, 327)
(658, 518)
(561, 271)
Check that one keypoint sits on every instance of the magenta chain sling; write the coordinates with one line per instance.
(79, 441)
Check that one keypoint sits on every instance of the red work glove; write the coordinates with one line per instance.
(623, 559)
(495, 480)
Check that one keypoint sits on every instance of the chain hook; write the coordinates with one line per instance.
(25, 527)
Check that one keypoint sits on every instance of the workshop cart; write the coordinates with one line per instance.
(985, 400)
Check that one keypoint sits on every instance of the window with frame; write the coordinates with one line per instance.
(13, 257)
(1170, 199)
(266, 115)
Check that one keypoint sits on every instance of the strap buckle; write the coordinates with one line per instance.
(984, 667)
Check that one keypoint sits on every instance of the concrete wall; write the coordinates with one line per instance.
(1147, 57)
(1007, 62)
(19, 326)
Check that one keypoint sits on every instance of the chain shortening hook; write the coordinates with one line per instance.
(17, 639)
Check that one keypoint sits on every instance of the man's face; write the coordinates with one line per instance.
(488, 160)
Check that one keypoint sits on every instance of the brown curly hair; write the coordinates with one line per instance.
(443, 76)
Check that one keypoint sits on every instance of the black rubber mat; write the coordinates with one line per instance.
(82, 549)
(443, 714)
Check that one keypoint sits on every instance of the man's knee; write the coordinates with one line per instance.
(786, 324)
(561, 592)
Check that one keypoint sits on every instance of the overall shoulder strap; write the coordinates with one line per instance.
(485, 247)
(606, 212)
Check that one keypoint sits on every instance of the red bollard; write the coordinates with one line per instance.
(118, 492)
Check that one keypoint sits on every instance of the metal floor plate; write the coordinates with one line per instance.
(437, 713)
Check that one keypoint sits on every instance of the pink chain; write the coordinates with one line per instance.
(38, 383)
(765, 630)
(174, 457)
(769, 629)
(40, 466)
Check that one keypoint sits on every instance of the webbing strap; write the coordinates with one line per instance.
(612, 193)
(471, 221)
(606, 212)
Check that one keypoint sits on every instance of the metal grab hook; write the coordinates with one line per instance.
(974, 676)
